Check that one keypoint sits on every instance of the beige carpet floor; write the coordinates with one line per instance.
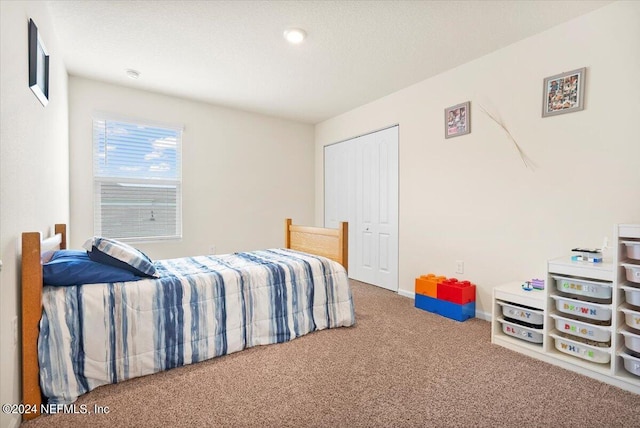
(398, 367)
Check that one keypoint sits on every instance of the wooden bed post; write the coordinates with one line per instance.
(62, 230)
(343, 238)
(31, 313)
(31, 291)
(287, 233)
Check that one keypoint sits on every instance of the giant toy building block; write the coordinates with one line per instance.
(447, 297)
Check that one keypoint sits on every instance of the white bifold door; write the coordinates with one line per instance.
(361, 187)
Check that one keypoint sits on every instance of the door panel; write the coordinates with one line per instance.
(361, 187)
(384, 252)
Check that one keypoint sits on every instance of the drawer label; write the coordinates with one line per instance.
(579, 309)
(519, 313)
(584, 288)
(514, 331)
(588, 353)
(578, 330)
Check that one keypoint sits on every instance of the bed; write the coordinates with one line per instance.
(78, 337)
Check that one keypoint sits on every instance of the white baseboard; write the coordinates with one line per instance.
(409, 294)
(483, 315)
(479, 314)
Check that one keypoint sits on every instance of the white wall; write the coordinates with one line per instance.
(34, 167)
(471, 198)
(243, 173)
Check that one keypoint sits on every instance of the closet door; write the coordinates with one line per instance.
(361, 186)
(339, 203)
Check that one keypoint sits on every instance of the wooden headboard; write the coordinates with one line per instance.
(33, 246)
(330, 243)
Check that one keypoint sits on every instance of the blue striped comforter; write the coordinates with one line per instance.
(199, 308)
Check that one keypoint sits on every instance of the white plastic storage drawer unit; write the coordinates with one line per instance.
(521, 332)
(631, 364)
(583, 287)
(582, 350)
(631, 295)
(631, 340)
(518, 318)
(594, 311)
(522, 314)
(631, 317)
(632, 249)
(582, 329)
(633, 272)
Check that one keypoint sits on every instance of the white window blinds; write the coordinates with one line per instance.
(137, 181)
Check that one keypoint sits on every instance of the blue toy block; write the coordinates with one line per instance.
(426, 303)
(455, 311)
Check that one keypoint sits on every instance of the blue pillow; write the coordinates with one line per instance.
(115, 253)
(73, 267)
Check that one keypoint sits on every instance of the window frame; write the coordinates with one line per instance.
(154, 182)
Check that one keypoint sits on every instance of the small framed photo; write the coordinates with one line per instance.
(563, 93)
(38, 65)
(457, 120)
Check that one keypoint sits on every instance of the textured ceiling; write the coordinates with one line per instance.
(232, 53)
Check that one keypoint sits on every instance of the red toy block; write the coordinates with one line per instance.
(454, 291)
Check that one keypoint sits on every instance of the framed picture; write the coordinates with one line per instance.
(457, 120)
(38, 65)
(563, 93)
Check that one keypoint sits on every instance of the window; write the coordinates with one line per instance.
(137, 181)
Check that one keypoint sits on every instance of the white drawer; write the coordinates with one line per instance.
(582, 350)
(582, 309)
(631, 364)
(520, 313)
(582, 329)
(583, 287)
(631, 317)
(521, 332)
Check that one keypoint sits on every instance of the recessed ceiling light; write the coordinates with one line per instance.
(295, 35)
(133, 74)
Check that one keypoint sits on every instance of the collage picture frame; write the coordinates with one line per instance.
(457, 120)
(564, 93)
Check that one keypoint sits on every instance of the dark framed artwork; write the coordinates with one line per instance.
(38, 65)
(457, 120)
(563, 93)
